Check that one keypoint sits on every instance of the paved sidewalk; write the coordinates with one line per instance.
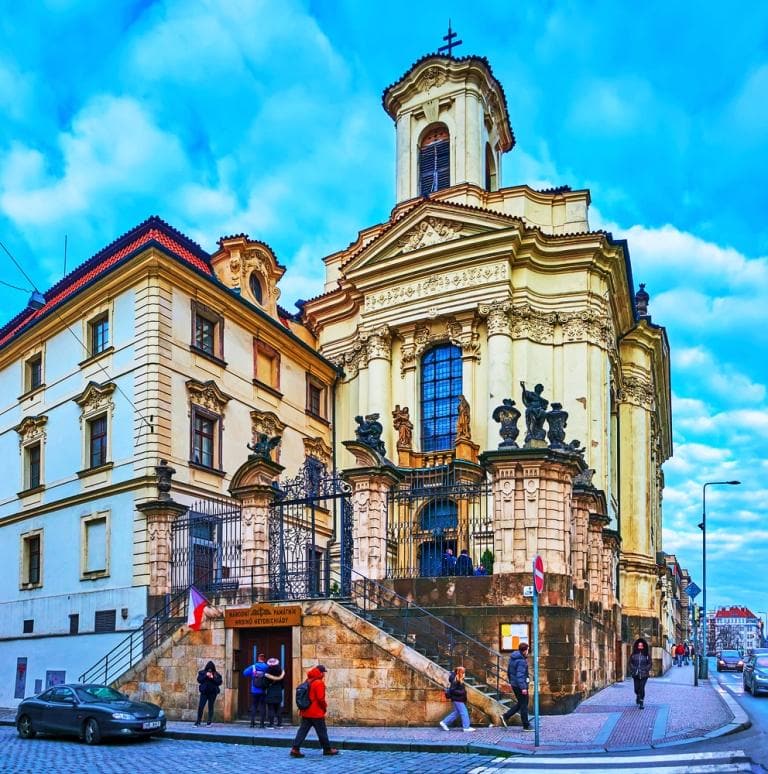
(675, 712)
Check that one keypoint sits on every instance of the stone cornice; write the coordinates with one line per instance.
(31, 429)
(208, 395)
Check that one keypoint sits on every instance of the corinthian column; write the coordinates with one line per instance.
(499, 357)
(379, 343)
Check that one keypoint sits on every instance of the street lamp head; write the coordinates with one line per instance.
(733, 483)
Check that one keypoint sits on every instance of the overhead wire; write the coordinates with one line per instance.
(148, 423)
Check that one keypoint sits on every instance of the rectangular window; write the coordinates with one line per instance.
(315, 397)
(97, 442)
(32, 477)
(31, 560)
(205, 441)
(207, 331)
(98, 334)
(95, 548)
(29, 626)
(74, 623)
(33, 373)
(104, 621)
(266, 364)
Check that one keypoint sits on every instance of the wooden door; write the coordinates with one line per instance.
(273, 643)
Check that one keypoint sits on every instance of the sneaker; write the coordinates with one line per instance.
(444, 726)
(209, 723)
(296, 753)
(469, 730)
(331, 751)
(527, 728)
(503, 721)
(641, 705)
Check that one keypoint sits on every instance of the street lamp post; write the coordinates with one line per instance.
(703, 527)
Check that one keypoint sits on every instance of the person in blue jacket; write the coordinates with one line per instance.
(517, 673)
(256, 673)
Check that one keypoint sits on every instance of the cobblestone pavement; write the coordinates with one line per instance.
(169, 756)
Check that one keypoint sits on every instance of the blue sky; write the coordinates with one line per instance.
(265, 117)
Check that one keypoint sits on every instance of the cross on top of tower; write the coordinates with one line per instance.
(450, 45)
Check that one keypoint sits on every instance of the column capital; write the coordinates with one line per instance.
(496, 314)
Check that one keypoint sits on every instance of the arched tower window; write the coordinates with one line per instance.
(491, 179)
(434, 160)
(255, 285)
(440, 391)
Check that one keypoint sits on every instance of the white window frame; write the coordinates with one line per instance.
(85, 521)
(25, 537)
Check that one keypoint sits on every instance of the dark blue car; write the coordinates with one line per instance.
(90, 712)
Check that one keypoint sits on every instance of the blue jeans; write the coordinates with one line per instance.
(459, 711)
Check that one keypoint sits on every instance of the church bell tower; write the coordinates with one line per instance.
(452, 125)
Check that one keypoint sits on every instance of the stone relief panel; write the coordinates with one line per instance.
(463, 334)
(31, 429)
(431, 231)
(208, 395)
(638, 390)
(319, 449)
(267, 423)
(431, 77)
(95, 398)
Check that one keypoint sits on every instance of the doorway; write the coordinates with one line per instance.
(273, 643)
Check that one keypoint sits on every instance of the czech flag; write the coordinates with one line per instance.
(197, 603)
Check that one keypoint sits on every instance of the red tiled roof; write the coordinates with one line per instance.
(734, 612)
(152, 230)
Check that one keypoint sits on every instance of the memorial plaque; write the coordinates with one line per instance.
(262, 616)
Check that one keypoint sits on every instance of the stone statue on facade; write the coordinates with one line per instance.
(507, 415)
(164, 473)
(575, 447)
(463, 421)
(535, 413)
(262, 448)
(402, 423)
(369, 432)
(584, 479)
(556, 419)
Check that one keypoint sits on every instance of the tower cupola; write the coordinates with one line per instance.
(452, 125)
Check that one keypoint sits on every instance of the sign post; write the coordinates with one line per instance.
(538, 587)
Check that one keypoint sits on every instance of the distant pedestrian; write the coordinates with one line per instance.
(517, 674)
(449, 563)
(679, 653)
(687, 654)
(464, 564)
(480, 570)
(209, 681)
(457, 693)
(640, 669)
(258, 688)
(314, 715)
(273, 694)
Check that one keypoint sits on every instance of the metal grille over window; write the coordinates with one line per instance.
(440, 525)
(435, 162)
(440, 390)
(104, 621)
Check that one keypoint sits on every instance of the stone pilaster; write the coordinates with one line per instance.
(371, 482)
(499, 336)
(252, 486)
(596, 567)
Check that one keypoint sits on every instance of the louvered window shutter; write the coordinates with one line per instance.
(434, 167)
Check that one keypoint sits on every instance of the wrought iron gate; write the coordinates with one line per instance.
(312, 514)
(440, 523)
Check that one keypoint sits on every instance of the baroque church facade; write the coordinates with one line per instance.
(478, 383)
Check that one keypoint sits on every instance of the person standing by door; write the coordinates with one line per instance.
(275, 676)
(314, 715)
(517, 674)
(256, 673)
(640, 669)
(209, 681)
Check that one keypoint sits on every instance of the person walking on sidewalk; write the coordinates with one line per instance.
(209, 681)
(679, 653)
(517, 673)
(256, 673)
(457, 693)
(314, 715)
(640, 669)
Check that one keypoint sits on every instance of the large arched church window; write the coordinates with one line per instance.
(440, 391)
(434, 160)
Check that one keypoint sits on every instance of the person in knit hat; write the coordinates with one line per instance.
(275, 676)
(314, 715)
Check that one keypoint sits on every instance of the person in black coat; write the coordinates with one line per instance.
(640, 668)
(464, 564)
(517, 674)
(209, 681)
(275, 677)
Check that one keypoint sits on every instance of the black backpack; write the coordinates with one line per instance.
(302, 696)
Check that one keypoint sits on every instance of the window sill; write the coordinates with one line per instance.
(268, 388)
(94, 575)
(212, 471)
(31, 393)
(92, 471)
(30, 586)
(31, 491)
(208, 356)
(317, 417)
(97, 356)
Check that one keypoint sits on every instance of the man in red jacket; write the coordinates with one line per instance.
(314, 715)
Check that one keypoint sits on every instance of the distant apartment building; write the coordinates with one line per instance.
(734, 627)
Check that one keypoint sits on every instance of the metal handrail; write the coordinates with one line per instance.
(139, 642)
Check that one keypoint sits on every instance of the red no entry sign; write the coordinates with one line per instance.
(538, 574)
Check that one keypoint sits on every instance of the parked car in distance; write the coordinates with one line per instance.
(755, 673)
(90, 712)
(729, 659)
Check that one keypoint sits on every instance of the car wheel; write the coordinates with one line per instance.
(24, 727)
(91, 731)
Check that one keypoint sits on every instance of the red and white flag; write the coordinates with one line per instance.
(197, 603)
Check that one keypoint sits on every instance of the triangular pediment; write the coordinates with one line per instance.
(416, 234)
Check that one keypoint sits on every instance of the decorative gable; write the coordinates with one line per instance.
(95, 398)
(31, 429)
(208, 395)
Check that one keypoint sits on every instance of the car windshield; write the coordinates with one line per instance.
(761, 661)
(730, 654)
(98, 693)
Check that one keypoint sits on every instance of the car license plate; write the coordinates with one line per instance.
(151, 724)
